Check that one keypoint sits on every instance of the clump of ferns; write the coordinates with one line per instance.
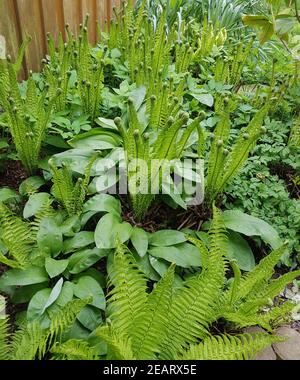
(33, 342)
(229, 68)
(71, 194)
(224, 161)
(28, 117)
(147, 47)
(170, 322)
(76, 57)
(163, 140)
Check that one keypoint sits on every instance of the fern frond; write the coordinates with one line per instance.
(27, 341)
(152, 323)
(118, 345)
(4, 347)
(74, 350)
(16, 236)
(128, 297)
(261, 273)
(197, 298)
(227, 347)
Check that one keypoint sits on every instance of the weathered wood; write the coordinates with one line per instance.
(20, 18)
(31, 24)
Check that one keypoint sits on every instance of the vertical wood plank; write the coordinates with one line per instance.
(102, 13)
(53, 17)
(89, 7)
(10, 28)
(72, 14)
(31, 22)
(20, 18)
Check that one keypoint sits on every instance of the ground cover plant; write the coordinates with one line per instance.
(149, 205)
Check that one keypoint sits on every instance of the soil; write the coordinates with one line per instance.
(161, 216)
(13, 176)
(289, 175)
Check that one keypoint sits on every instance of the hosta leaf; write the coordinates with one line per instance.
(55, 267)
(184, 255)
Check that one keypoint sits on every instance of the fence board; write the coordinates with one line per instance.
(20, 18)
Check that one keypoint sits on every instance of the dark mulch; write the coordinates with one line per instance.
(161, 216)
(288, 175)
(13, 176)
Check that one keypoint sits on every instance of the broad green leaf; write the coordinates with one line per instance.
(80, 240)
(161, 267)
(106, 123)
(70, 226)
(284, 25)
(103, 182)
(184, 255)
(144, 265)
(88, 287)
(19, 277)
(90, 317)
(35, 204)
(49, 237)
(55, 267)
(55, 292)
(206, 99)
(110, 231)
(139, 239)
(266, 33)
(103, 203)
(76, 159)
(84, 259)
(7, 194)
(248, 225)
(25, 293)
(96, 138)
(31, 185)
(255, 21)
(167, 238)
(37, 304)
(239, 250)
(66, 294)
(138, 96)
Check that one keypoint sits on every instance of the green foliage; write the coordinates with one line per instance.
(31, 341)
(175, 319)
(263, 193)
(224, 164)
(71, 196)
(28, 119)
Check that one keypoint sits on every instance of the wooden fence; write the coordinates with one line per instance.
(20, 18)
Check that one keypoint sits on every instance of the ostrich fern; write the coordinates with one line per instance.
(152, 149)
(71, 195)
(167, 323)
(28, 119)
(224, 164)
(31, 341)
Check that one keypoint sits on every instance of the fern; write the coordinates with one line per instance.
(223, 164)
(4, 348)
(71, 195)
(74, 350)
(31, 341)
(128, 296)
(16, 236)
(197, 298)
(151, 323)
(28, 119)
(226, 347)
